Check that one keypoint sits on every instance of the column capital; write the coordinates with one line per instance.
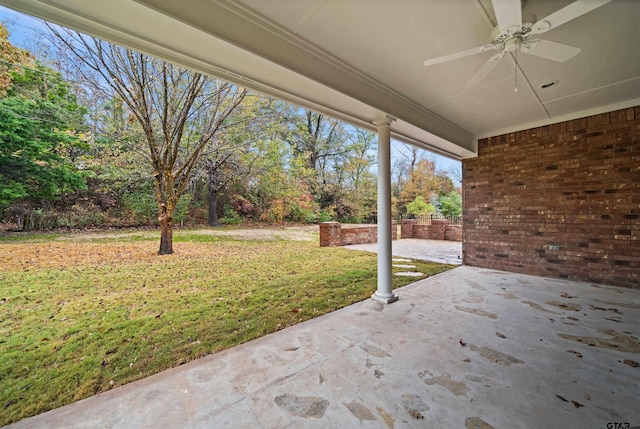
(382, 120)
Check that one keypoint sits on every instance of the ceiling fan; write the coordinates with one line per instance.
(512, 35)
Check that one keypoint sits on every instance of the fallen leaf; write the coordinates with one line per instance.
(462, 343)
(561, 398)
(631, 363)
(291, 349)
(577, 354)
(577, 404)
(573, 318)
(466, 360)
(296, 310)
(566, 295)
(416, 414)
(500, 335)
(587, 397)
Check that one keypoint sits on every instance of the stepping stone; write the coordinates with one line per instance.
(409, 274)
(403, 266)
(400, 260)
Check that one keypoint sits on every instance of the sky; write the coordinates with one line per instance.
(23, 33)
(21, 27)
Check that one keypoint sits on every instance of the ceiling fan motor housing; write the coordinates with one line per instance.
(510, 38)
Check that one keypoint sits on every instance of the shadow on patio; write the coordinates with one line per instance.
(468, 348)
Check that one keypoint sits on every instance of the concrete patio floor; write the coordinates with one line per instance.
(445, 252)
(470, 348)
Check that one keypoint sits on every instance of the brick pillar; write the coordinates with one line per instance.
(406, 228)
(438, 229)
(394, 229)
(330, 234)
(453, 233)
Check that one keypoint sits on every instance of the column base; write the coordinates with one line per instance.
(385, 299)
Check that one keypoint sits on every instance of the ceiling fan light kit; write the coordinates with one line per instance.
(512, 34)
(541, 27)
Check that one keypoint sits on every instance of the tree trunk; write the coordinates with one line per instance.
(166, 231)
(213, 184)
(213, 206)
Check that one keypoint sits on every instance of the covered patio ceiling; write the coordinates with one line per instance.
(356, 60)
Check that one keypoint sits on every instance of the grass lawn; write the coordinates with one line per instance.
(82, 314)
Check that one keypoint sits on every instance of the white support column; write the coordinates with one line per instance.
(384, 292)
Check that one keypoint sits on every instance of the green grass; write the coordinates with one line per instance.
(71, 331)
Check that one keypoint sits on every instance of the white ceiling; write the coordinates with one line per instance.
(358, 59)
(390, 40)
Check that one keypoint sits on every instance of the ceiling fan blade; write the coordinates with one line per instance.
(566, 14)
(486, 69)
(508, 13)
(460, 54)
(550, 50)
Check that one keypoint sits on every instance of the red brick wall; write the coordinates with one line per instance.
(453, 233)
(574, 185)
(359, 235)
(422, 232)
(438, 230)
(335, 234)
(406, 228)
(330, 234)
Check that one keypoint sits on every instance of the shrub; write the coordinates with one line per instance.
(324, 216)
(230, 216)
(182, 208)
(140, 207)
(243, 206)
(451, 204)
(420, 206)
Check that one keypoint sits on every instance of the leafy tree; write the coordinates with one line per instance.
(179, 112)
(353, 185)
(229, 156)
(13, 60)
(319, 141)
(424, 180)
(338, 158)
(39, 132)
(280, 180)
(419, 206)
(451, 204)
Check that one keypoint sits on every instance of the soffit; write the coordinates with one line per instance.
(390, 41)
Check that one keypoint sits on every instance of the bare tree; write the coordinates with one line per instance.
(221, 165)
(455, 173)
(179, 111)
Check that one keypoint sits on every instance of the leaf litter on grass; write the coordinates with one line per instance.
(78, 318)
